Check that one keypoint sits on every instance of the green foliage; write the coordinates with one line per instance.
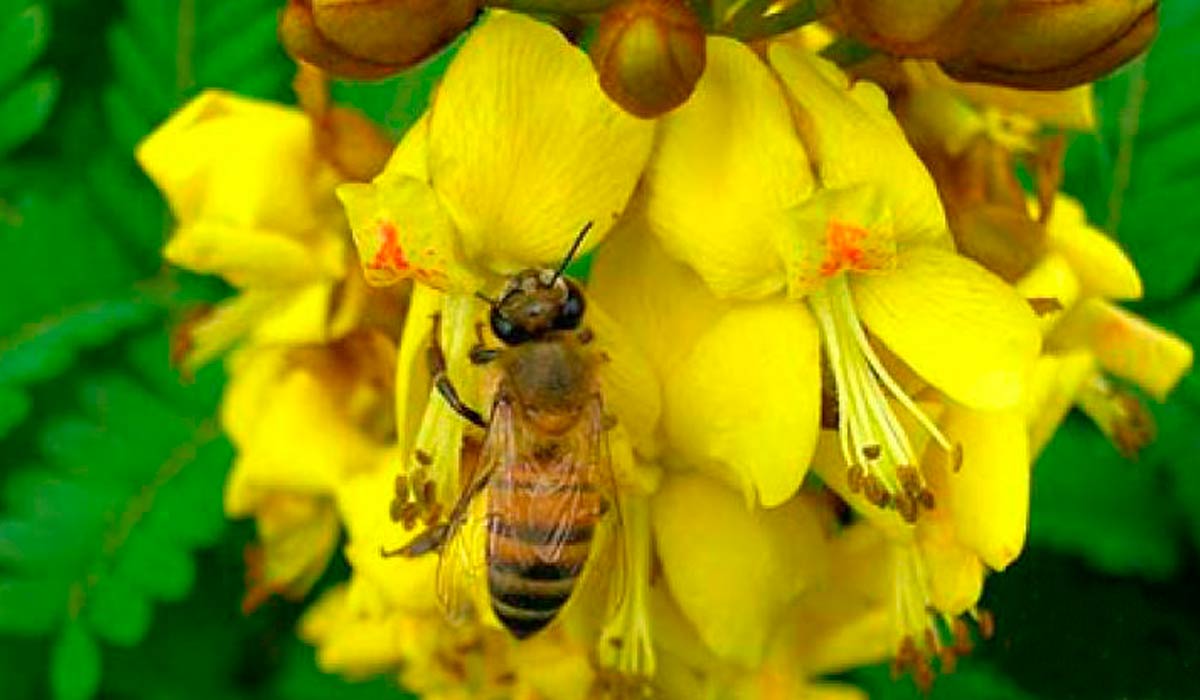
(1133, 178)
(103, 526)
(1141, 162)
(26, 99)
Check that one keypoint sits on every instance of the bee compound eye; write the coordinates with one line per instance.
(570, 314)
(508, 332)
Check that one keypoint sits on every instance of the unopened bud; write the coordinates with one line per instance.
(1051, 45)
(1039, 44)
(368, 39)
(649, 54)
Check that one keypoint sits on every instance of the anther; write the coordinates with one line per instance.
(931, 640)
(396, 510)
(987, 623)
(423, 458)
(429, 495)
(949, 660)
(925, 498)
(433, 514)
(408, 514)
(875, 491)
(962, 637)
(855, 478)
(956, 457)
(401, 485)
(910, 480)
(871, 452)
(907, 508)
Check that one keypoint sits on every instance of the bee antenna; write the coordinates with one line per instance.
(490, 301)
(571, 253)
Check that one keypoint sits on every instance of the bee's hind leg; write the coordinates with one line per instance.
(441, 380)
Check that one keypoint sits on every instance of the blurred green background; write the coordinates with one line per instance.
(119, 576)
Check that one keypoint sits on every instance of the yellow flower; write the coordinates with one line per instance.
(940, 109)
(496, 178)
(1089, 339)
(302, 420)
(731, 191)
(254, 203)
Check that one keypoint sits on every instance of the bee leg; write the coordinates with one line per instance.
(429, 541)
(441, 380)
(481, 355)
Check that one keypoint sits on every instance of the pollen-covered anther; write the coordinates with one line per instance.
(875, 445)
(415, 499)
(1119, 414)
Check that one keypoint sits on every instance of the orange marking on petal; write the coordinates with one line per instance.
(390, 255)
(843, 248)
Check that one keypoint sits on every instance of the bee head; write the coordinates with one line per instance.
(535, 303)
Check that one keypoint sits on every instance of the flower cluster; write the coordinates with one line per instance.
(829, 332)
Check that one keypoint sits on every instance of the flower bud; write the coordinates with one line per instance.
(368, 39)
(649, 54)
(1055, 45)
(1040, 44)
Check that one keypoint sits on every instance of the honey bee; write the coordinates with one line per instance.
(543, 464)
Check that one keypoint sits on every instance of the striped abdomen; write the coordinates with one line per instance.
(540, 523)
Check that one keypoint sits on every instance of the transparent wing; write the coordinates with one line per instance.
(608, 571)
(461, 563)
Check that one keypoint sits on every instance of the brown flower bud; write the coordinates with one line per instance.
(1039, 44)
(1052, 45)
(368, 39)
(649, 54)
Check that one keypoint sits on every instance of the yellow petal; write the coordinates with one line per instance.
(227, 323)
(630, 386)
(958, 325)
(989, 493)
(856, 141)
(302, 438)
(299, 316)
(405, 583)
(1126, 345)
(1053, 388)
(249, 257)
(662, 304)
(296, 537)
(752, 565)
(237, 161)
(520, 173)
(830, 465)
(1102, 267)
(402, 232)
(745, 403)
(727, 167)
(1053, 279)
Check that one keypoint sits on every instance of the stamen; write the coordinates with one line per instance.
(625, 646)
(878, 453)
(924, 633)
(1120, 415)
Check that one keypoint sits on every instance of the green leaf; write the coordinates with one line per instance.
(24, 110)
(75, 667)
(973, 680)
(1088, 499)
(25, 104)
(132, 486)
(1133, 175)
(23, 36)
